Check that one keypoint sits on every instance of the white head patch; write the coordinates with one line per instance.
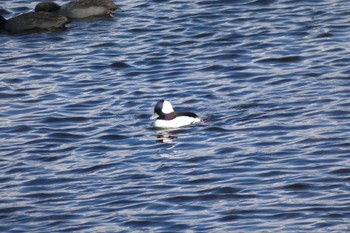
(167, 108)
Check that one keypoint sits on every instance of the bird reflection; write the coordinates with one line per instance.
(165, 135)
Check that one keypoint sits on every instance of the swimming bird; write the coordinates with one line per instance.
(78, 9)
(166, 117)
(33, 21)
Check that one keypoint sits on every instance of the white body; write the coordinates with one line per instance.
(176, 122)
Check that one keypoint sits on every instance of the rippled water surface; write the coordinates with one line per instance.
(270, 77)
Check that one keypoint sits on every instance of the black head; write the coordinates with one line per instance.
(159, 107)
(164, 110)
(47, 7)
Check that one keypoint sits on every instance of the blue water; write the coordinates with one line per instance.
(270, 77)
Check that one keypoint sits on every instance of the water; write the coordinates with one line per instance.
(271, 78)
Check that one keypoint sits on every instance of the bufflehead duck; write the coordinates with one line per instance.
(166, 117)
(78, 9)
(32, 21)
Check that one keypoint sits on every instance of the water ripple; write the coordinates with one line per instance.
(269, 78)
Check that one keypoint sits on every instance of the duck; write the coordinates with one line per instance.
(166, 117)
(33, 21)
(79, 9)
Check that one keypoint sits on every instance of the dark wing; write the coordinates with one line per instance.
(189, 114)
